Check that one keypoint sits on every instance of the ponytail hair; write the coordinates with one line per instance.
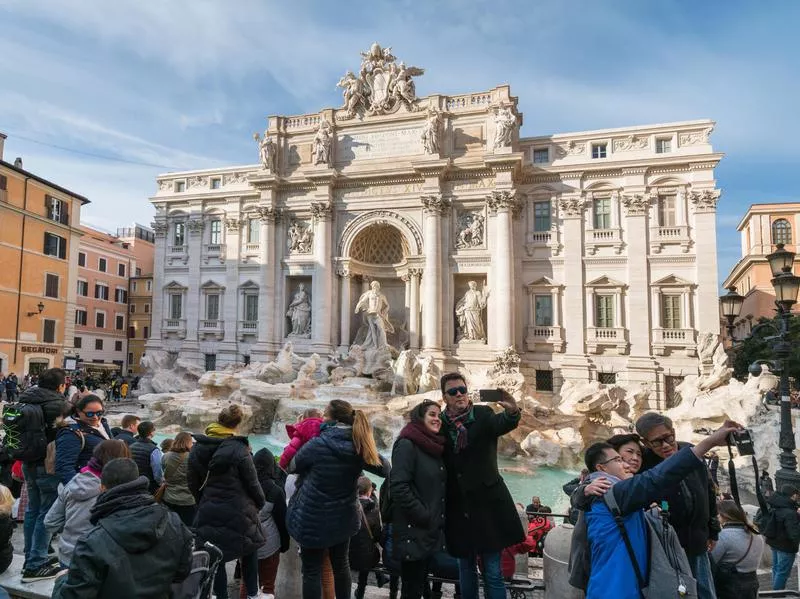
(733, 513)
(363, 441)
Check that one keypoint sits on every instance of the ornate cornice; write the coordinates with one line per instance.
(705, 201)
(435, 204)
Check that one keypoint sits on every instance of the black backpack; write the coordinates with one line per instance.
(25, 437)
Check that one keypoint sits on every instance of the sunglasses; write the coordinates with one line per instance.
(667, 440)
(97, 414)
(456, 390)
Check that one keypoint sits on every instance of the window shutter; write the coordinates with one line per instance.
(62, 248)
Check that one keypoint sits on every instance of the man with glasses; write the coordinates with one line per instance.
(481, 518)
(691, 502)
(611, 570)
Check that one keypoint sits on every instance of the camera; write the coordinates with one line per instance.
(743, 442)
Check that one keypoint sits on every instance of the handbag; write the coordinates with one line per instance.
(159, 493)
(376, 552)
(727, 579)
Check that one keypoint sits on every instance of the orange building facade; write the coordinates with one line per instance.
(39, 239)
(140, 293)
(762, 228)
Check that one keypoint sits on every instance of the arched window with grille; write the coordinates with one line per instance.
(781, 232)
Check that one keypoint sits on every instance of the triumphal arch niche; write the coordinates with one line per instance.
(416, 194)
(397, 221)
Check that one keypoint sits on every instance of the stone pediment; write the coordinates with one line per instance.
(174, 285)
(543, 282)
(672, 281)
(212, 286)
(605, 281)
(249, 284)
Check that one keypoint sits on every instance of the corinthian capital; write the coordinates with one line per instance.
(195, 225)
(705, 201)
(233, 224)
(321, 210)
(435, 204)
(571, 206)
(159, 228)
(635, 204)
(503, 200)
(268, 214)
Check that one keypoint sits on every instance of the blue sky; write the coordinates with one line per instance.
(183, 84)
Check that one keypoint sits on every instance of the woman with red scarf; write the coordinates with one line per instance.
(418, 485)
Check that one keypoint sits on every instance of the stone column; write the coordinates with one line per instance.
(266, 345)
(704, 205)
(231, 305)
(434, 206)
(322, 298)
(345, 305)
(161, 229)
(501, 300)
(638, 321)
(191, 308)
(413, 308)
(574, 366)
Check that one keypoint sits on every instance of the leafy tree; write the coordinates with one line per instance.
(755, 347)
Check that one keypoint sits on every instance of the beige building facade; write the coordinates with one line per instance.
(591, 254)
(761, 229)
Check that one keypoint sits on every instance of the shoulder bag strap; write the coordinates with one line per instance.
(749, 545)
(364, 519)
(611, 503)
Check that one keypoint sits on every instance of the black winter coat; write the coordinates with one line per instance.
(141, 450)
(692, 506)
(136, 550)
(228, 504)
(364, 553)
(418, 487)
(6, 548)
(788, 524)
(481, 515)
(126, 436)
(53, 405)
(323, 511)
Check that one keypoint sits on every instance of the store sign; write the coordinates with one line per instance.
(38, 349)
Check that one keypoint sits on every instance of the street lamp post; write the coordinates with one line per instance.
(786, 286)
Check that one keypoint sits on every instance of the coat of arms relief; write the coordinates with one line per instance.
(382, 85)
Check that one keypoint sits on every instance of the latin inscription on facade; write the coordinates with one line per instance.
(379, 144)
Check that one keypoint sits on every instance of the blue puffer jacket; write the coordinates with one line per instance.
(74, 446)
(323, 511)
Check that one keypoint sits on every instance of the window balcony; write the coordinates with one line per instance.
(597, 337)
(214, 250)
(684, 339)
(595, 238)
(174, 325)
(543, 239)
(177, 249)
(544, 335)
(211, 327)
(675, 235)
(245, 328)
(252, 248)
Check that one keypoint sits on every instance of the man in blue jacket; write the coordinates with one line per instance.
(612, 573)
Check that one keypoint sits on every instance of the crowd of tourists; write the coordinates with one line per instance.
(128, 512)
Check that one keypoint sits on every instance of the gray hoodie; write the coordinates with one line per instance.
(71, 511)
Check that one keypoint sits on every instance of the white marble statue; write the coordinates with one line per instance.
(300, 238)
(353, 93)
(471, 234)
(430, 132)
(266, 151)
(299, 313)
(402, 86)
(469, 312)
(504, 123)
(321, 146)
(376, 314)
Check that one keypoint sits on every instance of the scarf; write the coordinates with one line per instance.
(428, 441)
(122, 497)
(458, 422)
(216, 431)
(93, 467)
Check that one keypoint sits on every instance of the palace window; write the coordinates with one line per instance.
(250, 307)
(102, 264)
(543, 310)
(81, 259)
(179, 234)
(119, 322)
(83, 288)
(602, 213)
(98, 344)
(541, 216)
(544, 380)
(146, 333)
(212, 306)
(80, 317)
(100, 320)
(216, 182)
(121, 296)
(541, 155)
(51, 285)
(57, 210)
(55, 246)
(599, 150)
(120, 270)
(211, 361)
(101, 291)
(147, 308)
(77, 342)
(132, 308)
(180, 186)
(781, 232)
(216, 232)
(118, 346)
(604, 311)
(131, 332)
(671, 311)
(663, 146)
(667, 211)
(175, 305)
(253, 230)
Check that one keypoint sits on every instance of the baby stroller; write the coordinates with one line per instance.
(197, 585)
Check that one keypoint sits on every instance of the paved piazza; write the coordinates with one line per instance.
(592, 254)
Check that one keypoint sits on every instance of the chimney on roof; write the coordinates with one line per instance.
(18, 162)
(2, 142)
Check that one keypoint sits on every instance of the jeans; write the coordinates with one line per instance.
(249, 574)
(701, 570)
(42, 493)
(782, 562)
(493, 585)
(311, 559)
(185, 512)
